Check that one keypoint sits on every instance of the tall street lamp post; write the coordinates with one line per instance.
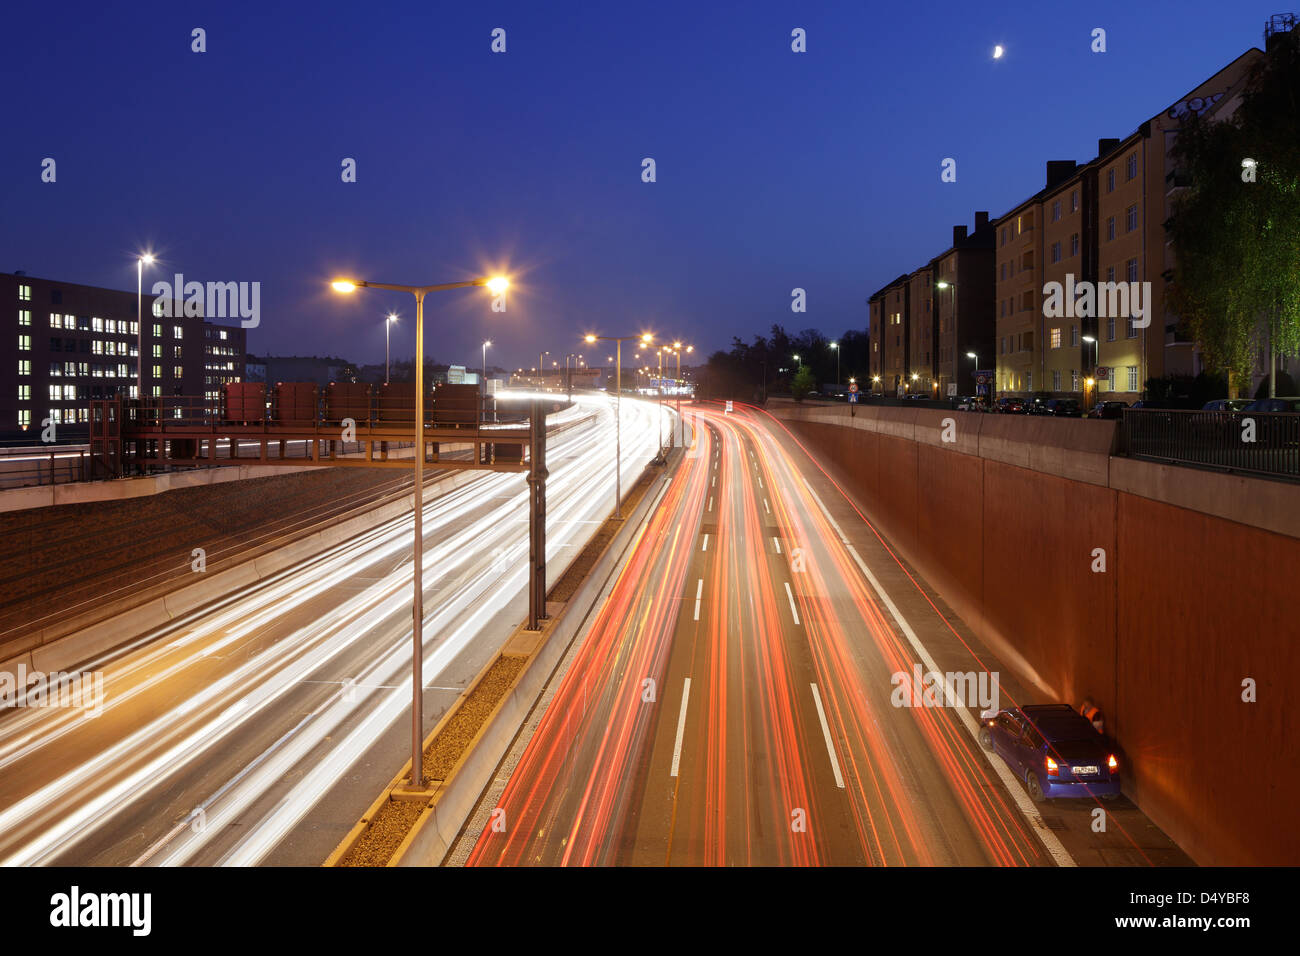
(497, 285)
(388, 325)
(836, 347)
(618, 409)
(975, 373)
(140, 263)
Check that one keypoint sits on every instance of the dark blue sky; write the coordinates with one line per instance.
(775, 169)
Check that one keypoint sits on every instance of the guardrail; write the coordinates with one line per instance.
(48, 465)
(1255, 443)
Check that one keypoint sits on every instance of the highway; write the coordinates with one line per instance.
(731, 705)
(258, 730)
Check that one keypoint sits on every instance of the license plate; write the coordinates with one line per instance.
(1085, 771)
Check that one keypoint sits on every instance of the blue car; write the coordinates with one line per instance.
(1054, 750)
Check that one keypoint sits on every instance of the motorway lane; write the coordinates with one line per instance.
(258, 730)
(784, 747)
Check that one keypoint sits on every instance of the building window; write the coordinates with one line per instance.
(1074, 379)
(1110, 273)
(97, 347)
(1130, 330)
(1110, 180)
(24, 417)
(24, 293)
(177, 332)
(1056, 379)
(1004, 235)
(157, 308)
(1029, 383)
(1131, 167)
(1131, 218)
(1074, 336)
(178, 371)
(176, 351)
(1132, 378)
(1131, 268)
(24, 343)
(1056, 338)
(1110, 329)
(24, 366)
(1004, 345)
(1056, 211)
(1074, 201)
(1056, 252)
(1110, 228)
(24, 393)
(157, 331)
(157, 352)
(24, 317)
(1074, 244)
(97, 324)
(157, 372)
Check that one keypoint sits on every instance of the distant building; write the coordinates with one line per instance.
(72, 343)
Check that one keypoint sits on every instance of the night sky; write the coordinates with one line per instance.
(775, 169)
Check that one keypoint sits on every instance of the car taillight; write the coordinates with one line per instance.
(1051, 768)
(1112, 763)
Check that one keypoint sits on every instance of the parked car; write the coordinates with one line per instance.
(1108, 410)
(1037, 404)
(1055, 750)
(1280, 404)
(1010, 405)
(969, 403)
(1063, 408)
(1225, 405)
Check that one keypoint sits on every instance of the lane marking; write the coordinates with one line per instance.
(765, 507)
(776, 543)
(706, 542)
(713, 482)
(710, 502)
(826, 732)
(790, 595)
(1051, 842)
(681, 726)
(699, 590)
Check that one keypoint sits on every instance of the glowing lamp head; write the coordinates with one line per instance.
(498, 284)
(590, 338)
(343, 285)
(147, 259)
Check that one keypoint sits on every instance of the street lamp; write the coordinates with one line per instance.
(388, 324)
(976, 358)
(140, 263)
(677, 348)
(1096, 358)
(496, 285)
(541, 367)
(618, 408)
(485, 348)
(836, 347)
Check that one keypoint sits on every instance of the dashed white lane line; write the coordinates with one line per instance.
(790, 595)
(826, 732)
(699, 590)
(776, 543)
(706, 542)
(765, 507)
(1051, 842)
(710, 502)
(681, 727)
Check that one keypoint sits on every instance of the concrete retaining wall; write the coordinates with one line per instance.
(1195, 598)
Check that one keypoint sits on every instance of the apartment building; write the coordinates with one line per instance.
(1018, 289)
(923, 334)
(73, 343)
(1069, 259)
(891, 330)
(964, 304)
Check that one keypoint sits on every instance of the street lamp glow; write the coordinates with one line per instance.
(147, 259)
(498, 284)
(915, 376)
(1089, 339)
(343, 285)
(972, 355)
(942, 284)
(589, 338)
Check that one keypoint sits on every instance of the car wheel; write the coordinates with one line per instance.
(986, 738)
(1035, 791)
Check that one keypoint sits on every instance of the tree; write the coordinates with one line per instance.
(1236, 226)
(803, 383)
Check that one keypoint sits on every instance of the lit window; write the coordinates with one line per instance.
(24, 317)
(24, 417)
(177, 331)
(1056, 338)
(178, 371)
(24, 343)
(157, 373)
(24, 366)
(157, 331)
(24, 293)
(97, 324)
(24, 393)
(157, 351)
(96, 347)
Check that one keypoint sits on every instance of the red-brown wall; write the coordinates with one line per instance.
(1189, 605)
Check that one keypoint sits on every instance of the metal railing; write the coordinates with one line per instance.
(1256, 443)
(26, 466)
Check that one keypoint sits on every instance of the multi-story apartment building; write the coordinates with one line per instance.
(923, 334)
(72, 343)
(891, 311)
(964, 293)
(1018, 288)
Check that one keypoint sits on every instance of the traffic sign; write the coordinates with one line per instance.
(853, 396)
(853, 388)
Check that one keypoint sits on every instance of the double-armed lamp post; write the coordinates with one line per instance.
(497, 286)
(644, 339)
